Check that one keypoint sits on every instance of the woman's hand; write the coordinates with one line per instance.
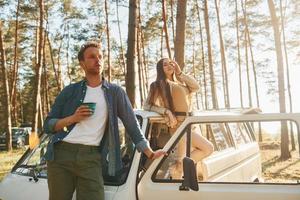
(172, 119)
(177, 69)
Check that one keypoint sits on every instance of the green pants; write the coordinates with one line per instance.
(75, 167)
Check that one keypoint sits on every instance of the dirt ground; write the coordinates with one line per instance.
(275, 170)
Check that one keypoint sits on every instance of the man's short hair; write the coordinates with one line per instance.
(85, 46)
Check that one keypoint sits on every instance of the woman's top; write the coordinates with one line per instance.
(181, 95)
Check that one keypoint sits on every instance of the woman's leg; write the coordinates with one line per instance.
(202, 147)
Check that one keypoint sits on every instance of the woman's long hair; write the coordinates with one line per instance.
(160, 87)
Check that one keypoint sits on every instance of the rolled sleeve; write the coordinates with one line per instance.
(142, 145)
(56, 111)
(159, 109)
(51, 124)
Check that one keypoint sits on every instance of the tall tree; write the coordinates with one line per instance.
(249, 42)
(180, 32)
(131, 52)
(247, 68)
(285, 153)
(172, 21)
(282, 16)
(38, 69)
(57, 73)
(13, 93)
(238, 52)
(108, 40)
(143, 52)
(210, 63)
(202, 57)
(165, 27)
(120, 37)
(223, 60)
(6, 92)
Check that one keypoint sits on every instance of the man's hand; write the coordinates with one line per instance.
(154, 154)
(81, 113)
(158, 153)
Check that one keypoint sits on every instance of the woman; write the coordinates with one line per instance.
(170, 95)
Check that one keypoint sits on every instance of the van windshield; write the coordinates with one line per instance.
(33, 161)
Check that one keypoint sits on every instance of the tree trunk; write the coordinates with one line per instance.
(162, 43)
(239, 54)
(194, 70)
(202, 58)
(45, 89)
(140, 65)
(57, 77)
(108, 41)
(180, 32)
(145, 67)
(13, 93)
(144, 62)
(131, 52)
(247, 69)
(210, 64)
(58, 61)
(6, 92)
(288, 77)
(121, 43)
(38, 71)
(172, 21)
(223, 60)
(165, 28)
(69, 70)
(247, 32)
(285, 154)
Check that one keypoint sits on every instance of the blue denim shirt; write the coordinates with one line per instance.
(118, 105)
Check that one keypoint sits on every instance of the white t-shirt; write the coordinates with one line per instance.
(91, 130)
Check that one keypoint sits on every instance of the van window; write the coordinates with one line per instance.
(158, 134)
(33, 163)
(257, 158)
(171, 167)
(239, 133)
(220, 135)
(251, 161)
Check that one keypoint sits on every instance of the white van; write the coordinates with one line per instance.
(232, 172)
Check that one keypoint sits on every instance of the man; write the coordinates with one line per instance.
(77, 134)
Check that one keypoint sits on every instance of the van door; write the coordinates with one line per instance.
(157, 182)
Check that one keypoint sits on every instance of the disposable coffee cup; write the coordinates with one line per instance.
(91, 105)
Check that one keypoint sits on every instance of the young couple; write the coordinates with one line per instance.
(80, 136)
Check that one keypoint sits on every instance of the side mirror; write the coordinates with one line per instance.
(190, 175)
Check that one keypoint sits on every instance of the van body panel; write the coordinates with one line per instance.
(238, 163)
(231, 160)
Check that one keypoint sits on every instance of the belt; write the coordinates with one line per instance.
(76, 147)
(184, 113)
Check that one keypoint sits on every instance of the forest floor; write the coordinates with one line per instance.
(275, 170)
(8, 160)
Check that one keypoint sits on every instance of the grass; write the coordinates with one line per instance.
(8, 160)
